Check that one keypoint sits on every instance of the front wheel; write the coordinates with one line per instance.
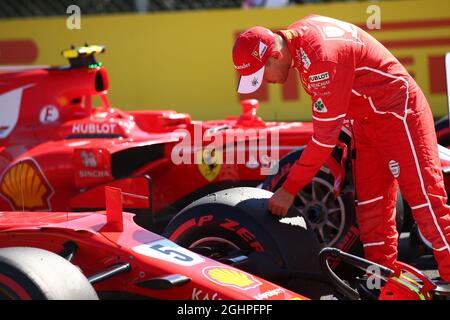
(36, 274)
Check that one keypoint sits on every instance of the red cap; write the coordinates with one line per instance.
(250, 54)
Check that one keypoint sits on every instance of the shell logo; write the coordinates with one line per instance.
(230, 277)
(25, 187)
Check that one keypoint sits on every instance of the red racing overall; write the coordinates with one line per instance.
(350, 75)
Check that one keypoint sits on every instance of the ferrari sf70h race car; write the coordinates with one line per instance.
(58, 151)
(39, 252)
(222, 246)
(236, 250)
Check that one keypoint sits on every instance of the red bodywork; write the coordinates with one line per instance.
(57, 151)
(107, 240)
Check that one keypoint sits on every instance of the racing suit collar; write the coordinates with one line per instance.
(292, 38)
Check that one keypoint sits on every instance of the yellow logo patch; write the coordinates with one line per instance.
(209, 163)
(289, 34)
(231, 277)
(25, 187)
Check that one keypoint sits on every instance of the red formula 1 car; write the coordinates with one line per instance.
(91, 255)
(116, 258)
(58, 151)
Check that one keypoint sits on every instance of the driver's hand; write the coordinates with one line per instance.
(280, 202)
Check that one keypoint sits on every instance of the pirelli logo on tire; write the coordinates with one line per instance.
(230, 277)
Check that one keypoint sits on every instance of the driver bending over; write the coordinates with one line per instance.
(350, 75)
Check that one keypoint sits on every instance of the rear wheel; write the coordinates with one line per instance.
(326, 213)
(36, 274)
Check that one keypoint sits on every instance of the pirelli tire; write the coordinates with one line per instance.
(34, 274)
(239, 218)
(333, 219)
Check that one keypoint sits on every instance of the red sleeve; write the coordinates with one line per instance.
(329, 85)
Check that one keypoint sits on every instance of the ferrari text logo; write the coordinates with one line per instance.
(229, 277)
(25, 187)
(209, 163)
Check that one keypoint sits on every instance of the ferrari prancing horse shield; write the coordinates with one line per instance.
(209, 163)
